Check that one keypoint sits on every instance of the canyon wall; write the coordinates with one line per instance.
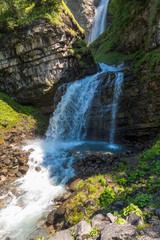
(37, 58)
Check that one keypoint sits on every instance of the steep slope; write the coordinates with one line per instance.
(84, 13)
(36, 58)
(133, 37)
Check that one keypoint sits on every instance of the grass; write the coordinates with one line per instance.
(22, 12)
(12, 115)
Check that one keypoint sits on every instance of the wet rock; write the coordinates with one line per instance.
(38, 169)
(23, 169)
(119, 232)
(65, 196)
(73, 185)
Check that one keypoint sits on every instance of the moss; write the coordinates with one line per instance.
(21, 12)
(147, 68)
(13, 115)
(120, 221)
(69, 13)
(151, 153)
(132, 209)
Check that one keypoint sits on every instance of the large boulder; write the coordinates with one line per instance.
(118, 232)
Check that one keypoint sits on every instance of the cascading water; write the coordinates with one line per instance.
(100, 20)
(67, 129)
(117, 92)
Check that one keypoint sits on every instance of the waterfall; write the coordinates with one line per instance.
(117, 92)
(100, 21)
(69, 121)
(36, 191)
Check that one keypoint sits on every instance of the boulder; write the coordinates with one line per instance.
(119, 232)
(62, 235)
(100, 221)
(134, 219)
(82, 229)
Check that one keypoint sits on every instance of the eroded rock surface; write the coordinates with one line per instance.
(84, 12)
(40, 57)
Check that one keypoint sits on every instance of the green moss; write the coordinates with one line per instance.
(21, 12)
(107, 197)
(147, 67)
(151, 153)
(120, 221)
(69, 13)
(13, 115)
(131, 209)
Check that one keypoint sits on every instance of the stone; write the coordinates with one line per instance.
(65, 196)
(134, 219)
(38, 169)
(111, 217)
(157, 212)
(82, 229)
(23, 169)
(84, 13)
(99, 221)
(73, 185)
(42, 61)
(62, 235)
(119, 232)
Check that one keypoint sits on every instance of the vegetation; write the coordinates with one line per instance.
(19, 12)
(138, 190)
(111, 47)
(14, 115)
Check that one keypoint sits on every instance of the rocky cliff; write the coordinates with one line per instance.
(84, 13)
(133, 37)
(37, 58)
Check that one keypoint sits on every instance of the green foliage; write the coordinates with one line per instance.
(120, 221)
(142, 227)
(151, 153)
(94, 232)
(149, 62)
(92, 188)
(131, 209)
(19, 12)
(122, 181)
(142, 200)
(106, 197)
(12, 112)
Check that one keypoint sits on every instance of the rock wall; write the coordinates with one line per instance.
(84, 13)
(35, 60)
(138, 115)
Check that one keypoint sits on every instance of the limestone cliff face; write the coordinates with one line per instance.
(35, 60)
(84, 12)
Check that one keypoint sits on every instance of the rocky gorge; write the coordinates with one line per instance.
(114, 195)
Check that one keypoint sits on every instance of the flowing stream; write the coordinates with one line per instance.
(100, 20)
(32, 197)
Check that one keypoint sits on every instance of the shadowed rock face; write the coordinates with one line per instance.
(84, 13)
(37, 59)
(138, 116)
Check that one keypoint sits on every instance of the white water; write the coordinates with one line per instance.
(67, 129)
(100, 21)
(117, 92)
